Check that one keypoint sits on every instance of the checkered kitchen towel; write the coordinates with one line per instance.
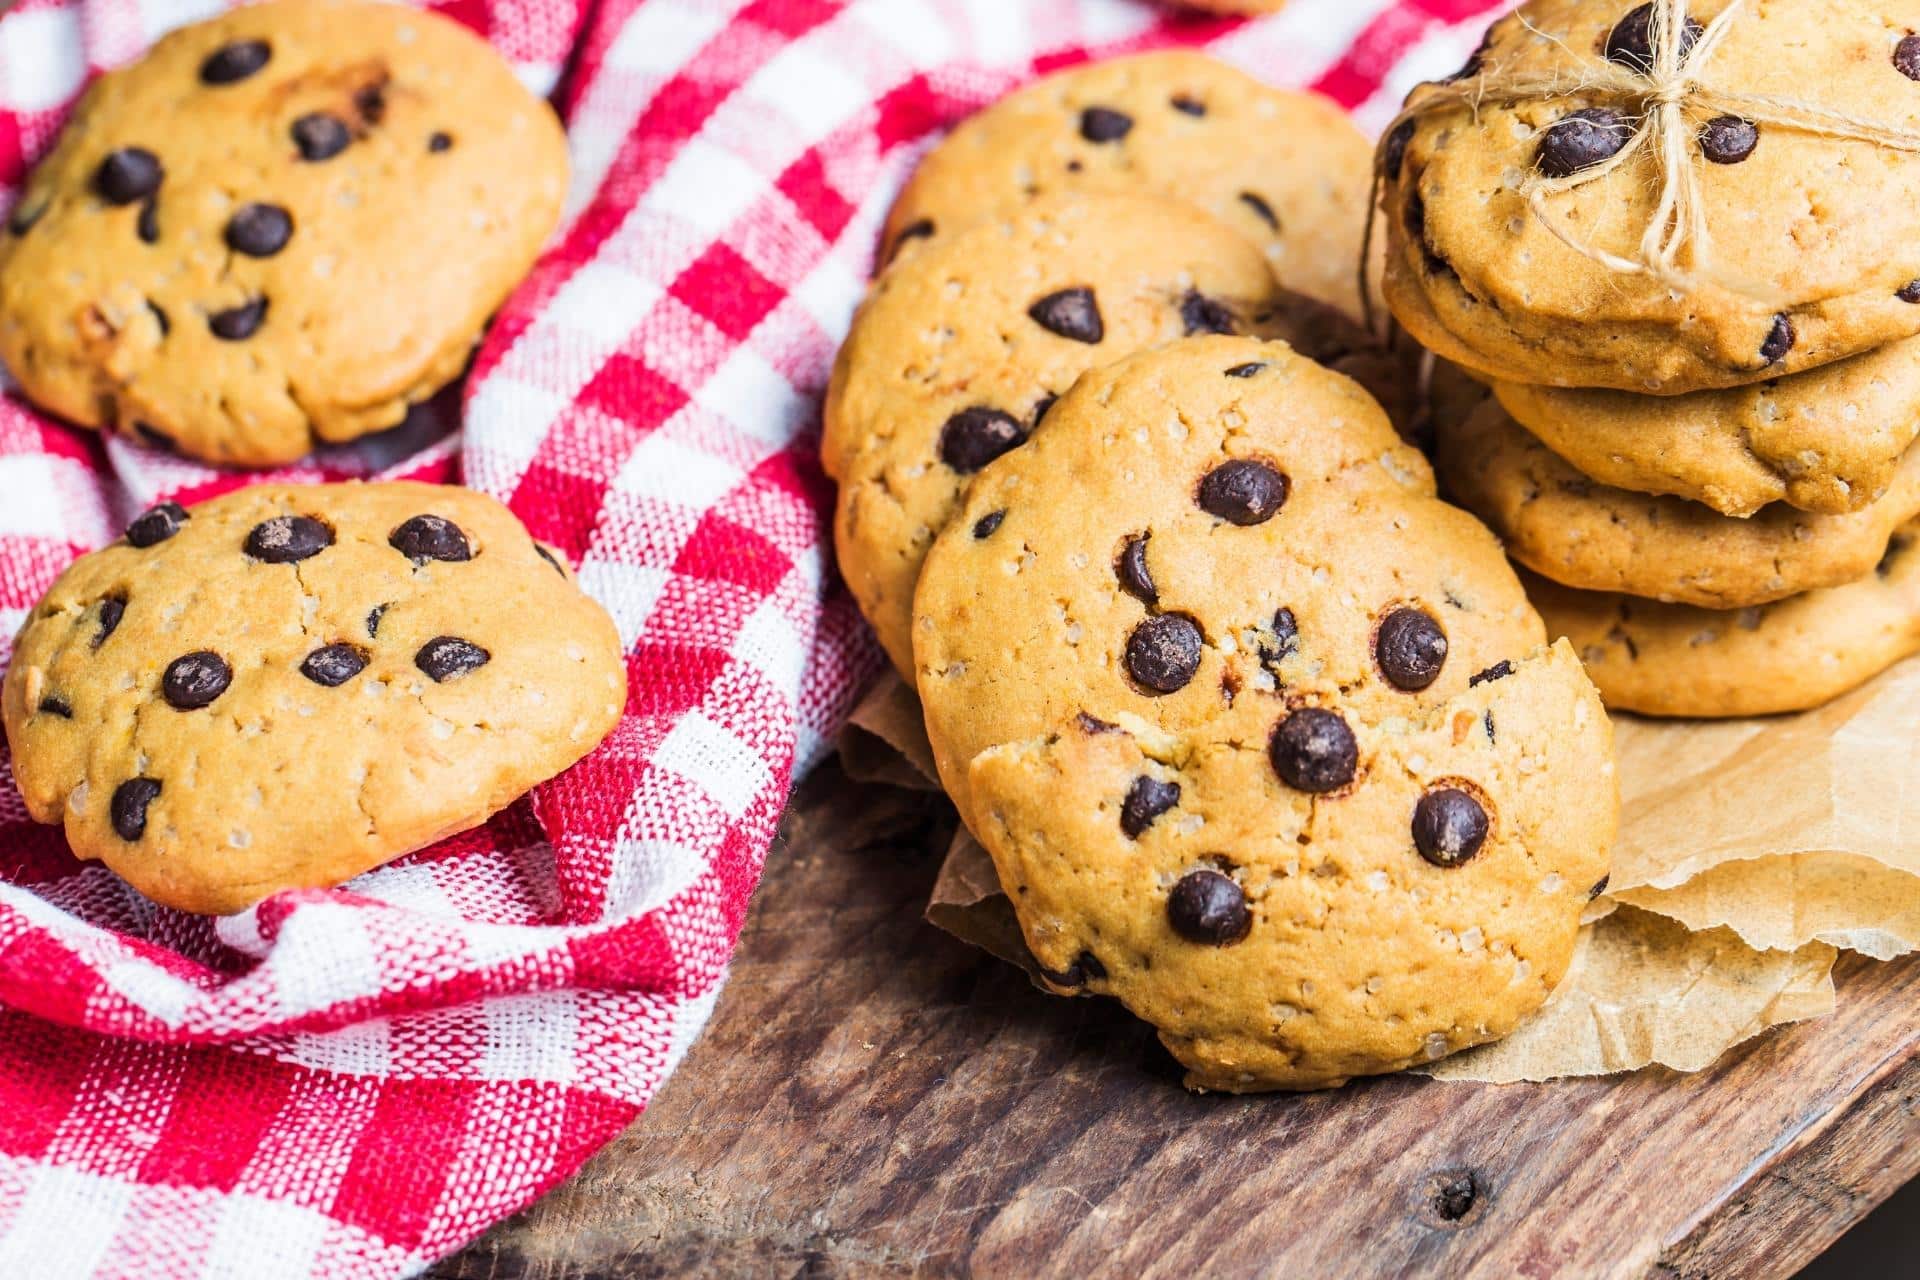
(352, 1083)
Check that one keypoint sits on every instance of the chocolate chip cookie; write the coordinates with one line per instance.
(283, 226)
(1677, 660)
(960, 349)
(1286, 169)
(287, 686)
(1267, 711)
(1559, 523)
(1810, 245)
(1829, 440)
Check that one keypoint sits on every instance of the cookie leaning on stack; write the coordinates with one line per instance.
(1725, 429)
(281, 227)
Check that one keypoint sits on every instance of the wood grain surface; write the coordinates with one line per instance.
(874, 1098)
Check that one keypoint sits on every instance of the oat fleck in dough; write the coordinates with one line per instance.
(281, 227)
(1264, 739)
(1287, 169)
(1814, 241)
(290, 685)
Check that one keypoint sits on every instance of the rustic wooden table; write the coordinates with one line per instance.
(873, 1097)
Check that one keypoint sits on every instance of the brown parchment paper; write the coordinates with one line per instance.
(1748, 851)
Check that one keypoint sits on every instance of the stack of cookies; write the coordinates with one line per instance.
(1678, 243)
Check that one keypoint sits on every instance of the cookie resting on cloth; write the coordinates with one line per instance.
(289, 685)
(279, 228)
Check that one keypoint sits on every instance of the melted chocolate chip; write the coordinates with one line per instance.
(430, 537)
(287, 539)
(919, 229)
(54, 705)
(334, 665)
(1131, 569)
(259, 230)
(1285, 642)
(129, 807)
(1071, 313)
(1582, 140)
(1201, 314)
(1146, 800)
(1209, 907)
(233, 62)
(1041, 406)
(1728, 139)
(238, 323)
(1104, 124)
(1261, 209)
(547, 555)
(1599, 887)
(974, 437)
(449, 657)
(1163, 652)
(24, 215)
(1313, 750)
(438, 141)
(320, 136)
(370, 101)
(1410, 648)
(985, 526)
(195, 679)
(147, 225)
(1246, 370)
(1487, 720)
(112, 609)
(1906, 57)
(1498, 671)
(373, 620)
(1093, 724)
(1395, 155)
(1909, 292)
(1243, 492)
(1630, 43)
(129, 174)
(1449, 826)
(157, 524)
(1186, 105)
(1780, 339)
(1085, 967)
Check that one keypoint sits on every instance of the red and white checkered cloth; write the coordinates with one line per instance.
(353, 1083)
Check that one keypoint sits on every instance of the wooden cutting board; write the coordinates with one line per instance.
(873, 1097)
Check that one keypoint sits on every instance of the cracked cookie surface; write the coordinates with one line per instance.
(280, 228)
(1559, 523)
(1208, 669)
(290, 685)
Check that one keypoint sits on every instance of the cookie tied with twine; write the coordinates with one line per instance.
(1653, 123)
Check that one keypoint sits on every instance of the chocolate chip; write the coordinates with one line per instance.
(1630, 43)
(153, 436)
(334, 665)
(195, 679)
(112, 609)
(1909, 292)
(1449, 826)
(449, 657)
(1131, 569)
(286, 539)
(1104, 124)
(1243, 492)
(974, 437)
(1599, 887)
(919, 229)
(1410, 648)
(129, 807)
(547, 555)
(1207, 906)
(1396, 152)
(259, 230)
(1906, 57)
(438, 141)
(1071, 313)
(157, 524)
(1093, 724)
(235, 61)
(984, 527)
(147, 225)
(430, 537)
(1780, 339)
(371, 102)
(1261, 209)
(1728, 139)
(1498, 671)
(1146, 800)
(1286, 639)
(1163, 652)
(1041, 406)
(24, 215)
(237, 323)
(320, 136)
(374, 615)
(54, 705)
(1582, 140)
(1086, 967)
(129, 174)
(1201, 314)
(1487, 720)
(160, 317)
(1246, 370)
(1313, 750)
(1187, 106)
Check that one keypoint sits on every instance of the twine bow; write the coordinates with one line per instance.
(1660, 95)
